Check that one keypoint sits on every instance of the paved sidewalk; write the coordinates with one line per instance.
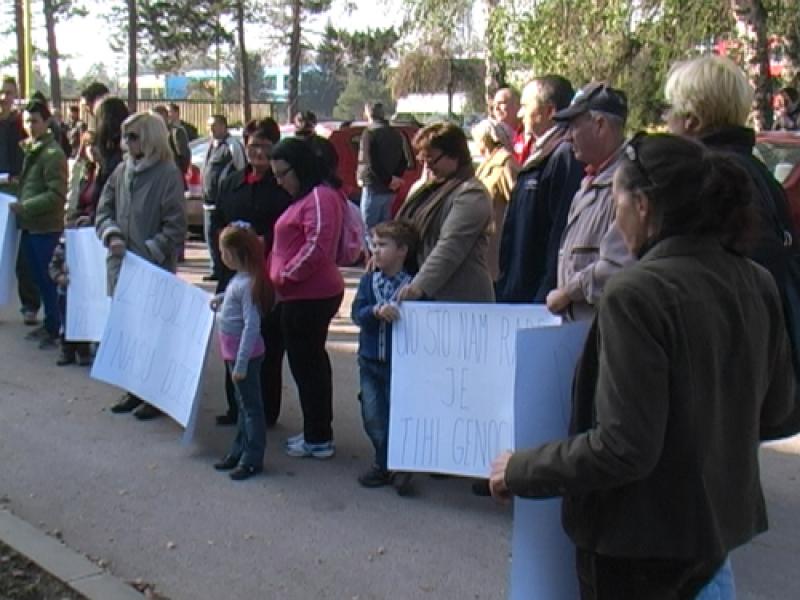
(129, 493)
(64, 563)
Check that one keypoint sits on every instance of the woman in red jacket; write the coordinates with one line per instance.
(308, 286)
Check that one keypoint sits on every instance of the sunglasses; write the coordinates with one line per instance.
(632, 154)
(282, 174)
(131, 137)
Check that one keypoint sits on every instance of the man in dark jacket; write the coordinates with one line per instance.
(541, 198)
(40, 211)
(305, 128)
(225, 155)
(381, 163)
(174, 116)
(253, 195)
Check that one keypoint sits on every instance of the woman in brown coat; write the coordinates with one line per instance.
(452, 214)
(498, 172)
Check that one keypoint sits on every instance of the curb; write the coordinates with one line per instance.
(69, 566)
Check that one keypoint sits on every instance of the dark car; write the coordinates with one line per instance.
(780, 151)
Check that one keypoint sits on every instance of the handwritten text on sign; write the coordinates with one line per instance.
(155, 341)
(9, 241)
(87, 300)
(453, 384)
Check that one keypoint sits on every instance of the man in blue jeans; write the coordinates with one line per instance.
(381, 163)
(40, 212)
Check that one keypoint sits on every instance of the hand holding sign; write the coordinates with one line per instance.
(497, 478)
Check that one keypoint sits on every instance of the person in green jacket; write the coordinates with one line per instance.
(40, 210)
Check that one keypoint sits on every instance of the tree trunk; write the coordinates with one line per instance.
(751, 24)
(495, 69)
(133, 30)
(451, 87)
(244, 69)
(52, 54)
(294, 59)
(19, 19)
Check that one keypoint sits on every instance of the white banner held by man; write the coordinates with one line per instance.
(156, 338)
(88, 303)
(542, 556)
(452, 388)
(9, 242)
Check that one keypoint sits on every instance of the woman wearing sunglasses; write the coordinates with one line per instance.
(452, 213)
(141, 210)
(686, 361)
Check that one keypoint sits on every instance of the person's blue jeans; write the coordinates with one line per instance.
(251, 431)
(375, 377)
(722, 586)
(211, 233)
(375, 207)
(38, 249)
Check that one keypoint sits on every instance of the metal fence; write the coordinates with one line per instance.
(197, 112)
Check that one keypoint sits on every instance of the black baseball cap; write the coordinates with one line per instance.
(595, 96)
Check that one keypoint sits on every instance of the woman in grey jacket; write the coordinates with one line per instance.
(141, 209)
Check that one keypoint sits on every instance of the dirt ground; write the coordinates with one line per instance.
(21, 579)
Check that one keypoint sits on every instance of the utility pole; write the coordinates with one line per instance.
(26, 57)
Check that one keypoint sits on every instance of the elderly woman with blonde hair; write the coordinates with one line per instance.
(498, 172)
(709, 99)
(141, 210)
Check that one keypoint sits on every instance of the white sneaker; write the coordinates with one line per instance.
(303, 449)
(294, 440)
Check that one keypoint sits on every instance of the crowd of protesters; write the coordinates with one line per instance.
(677, 247)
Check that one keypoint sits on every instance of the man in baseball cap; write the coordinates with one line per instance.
(596, 96)
(592, 249)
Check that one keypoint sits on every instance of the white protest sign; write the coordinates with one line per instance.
(9, 242)
(452, 388)
(155, 341)
(542, 556)
(88, 303)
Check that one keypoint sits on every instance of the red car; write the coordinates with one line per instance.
(345, 137)
(780, 151)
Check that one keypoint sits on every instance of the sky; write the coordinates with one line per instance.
(84, 41)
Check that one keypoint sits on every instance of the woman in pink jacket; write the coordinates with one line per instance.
(308, 286)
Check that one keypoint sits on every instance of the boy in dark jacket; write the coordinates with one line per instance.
(374, 309)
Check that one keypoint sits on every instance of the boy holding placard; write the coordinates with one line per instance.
(374, 309)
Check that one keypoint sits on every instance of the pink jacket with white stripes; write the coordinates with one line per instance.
(302, 264)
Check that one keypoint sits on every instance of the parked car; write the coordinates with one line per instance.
(345, 137)
(194, 182)
(780, 151)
